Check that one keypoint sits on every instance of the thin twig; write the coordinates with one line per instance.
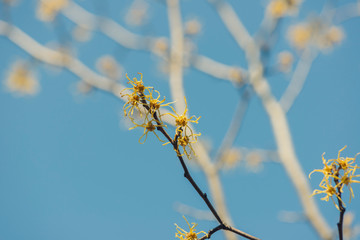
(341, 206)
(230, 229)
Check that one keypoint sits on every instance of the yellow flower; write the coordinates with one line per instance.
(181, 121)
(133, 102)
(328, 170)
(300, 35)
(340, 171)
(136, 96)
(277, 8)
(22, 80)
(344, 163)
(285, 61)
(184, 142)
(48, 9)
(347, 179)
(335, 34)
(155, 104)
(183, 133)
(108, 66)
(330, 191)
(138, 85)
(148, 127)
(280, 8)
(191, 235)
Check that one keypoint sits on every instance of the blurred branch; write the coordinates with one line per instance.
(232, 22)
(346, 12)
(194, 212)
(109, 27)
(176, 61)
(277, 117)
(125, 38)
(59, 59)
(218, 70)
(288, 157)
(176, 54)
(234, 127)
(298, 79)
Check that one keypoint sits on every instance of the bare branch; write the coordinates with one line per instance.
(109, 27)
(298, 79)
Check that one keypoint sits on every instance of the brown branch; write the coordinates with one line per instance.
(341, 206)
(227, 228)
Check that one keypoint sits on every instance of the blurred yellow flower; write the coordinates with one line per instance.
(335, 34)
(330, 36)
(285, 61)
(192, 27)
(280, 8)
(108, 66)
(231, 157)
(48, 9)
(22, 80)
(300, 35)
(277, 8)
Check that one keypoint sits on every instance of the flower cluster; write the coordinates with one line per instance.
(191, 235)
(141, 98)
(184, 135)
(337, 173)
(147, 103)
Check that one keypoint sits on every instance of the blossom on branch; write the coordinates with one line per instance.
(337, 173)
(184, 134)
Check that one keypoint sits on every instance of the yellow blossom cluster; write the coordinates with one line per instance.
(337, 173)
(147, 103)
(191, 235)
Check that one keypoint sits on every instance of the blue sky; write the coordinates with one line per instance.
(70, 169)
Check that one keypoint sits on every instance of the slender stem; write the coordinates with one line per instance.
(341, 206)
(227, 228)
(341, 218)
